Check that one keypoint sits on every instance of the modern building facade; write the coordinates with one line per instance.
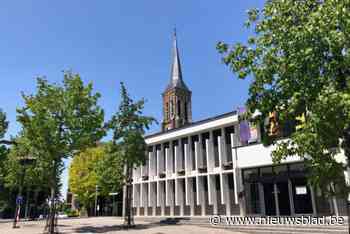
(203, 168)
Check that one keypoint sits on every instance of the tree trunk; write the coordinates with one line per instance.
(51, 221)
(27, 203)
(346, 147)
(128, 219)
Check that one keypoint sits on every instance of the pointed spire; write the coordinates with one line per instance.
(176, 73)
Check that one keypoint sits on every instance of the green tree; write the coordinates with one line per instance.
(3, 149)
(110, 171)
(60, 120)
(83, 177)
(32, 177)
(4, 200)
(128, 126)
(299, 60)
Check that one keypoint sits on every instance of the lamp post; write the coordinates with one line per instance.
(23, 161)
(96, 191)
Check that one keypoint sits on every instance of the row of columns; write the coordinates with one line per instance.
(176, 157)
(191, 193)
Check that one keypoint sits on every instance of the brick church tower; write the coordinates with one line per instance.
(176, 97)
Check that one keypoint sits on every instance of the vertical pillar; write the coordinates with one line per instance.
(168, 161)
(180, 162)
(190, 157)
(172, 198)
(210, 151)
(176, 155)
(150, 165)
(158, 165)
(238, 183)
(223, 147)
(162, 159)
(170, 157)
(225, 192)
(220, 151)
(291, 198)
(313, 201)
(275, 192)
(200, 151)
(138, 197)
(197, 155)
(262, 198)
(154, 161)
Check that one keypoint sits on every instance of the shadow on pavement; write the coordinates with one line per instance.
(109, 228)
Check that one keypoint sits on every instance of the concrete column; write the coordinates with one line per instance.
(189, 194)
(262, 199)
(197, 155)
(176, 155)
(150, 164)
(209, 156)
(212, 194)
(201, 193)
(223, 147)
(170, 157)
(161, 196)
(138, 197)
(172, 198)
(225, 193)
(158, 166)
(220, 151)
(200, 151)
(210, 151)
(168, 162)
(239, 187)
(187, 165)
(144, 195)
(291, 198)
(152, 195)
(313, 200)
(180, 156)
(179, 199)
(154, 161)
(190, 157)
(162, 159)
(222, 194)
(275, 192)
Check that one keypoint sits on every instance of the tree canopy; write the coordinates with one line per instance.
(59, 121)
(128, 126)
(109, 169)
(298, 59)
(83, 177)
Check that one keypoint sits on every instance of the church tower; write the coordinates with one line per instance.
(176, 97)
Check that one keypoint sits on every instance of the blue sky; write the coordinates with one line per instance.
(130, 41)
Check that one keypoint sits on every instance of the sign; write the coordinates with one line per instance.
(253, 133)
(113, 194)
(19, 200)
(300, 190)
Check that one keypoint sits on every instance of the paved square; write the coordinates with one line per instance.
(110, 225)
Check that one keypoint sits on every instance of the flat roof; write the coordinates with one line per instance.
(192, 124)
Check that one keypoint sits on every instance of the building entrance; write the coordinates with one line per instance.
(279, 191)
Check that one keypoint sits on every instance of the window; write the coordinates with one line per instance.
(171, 108)
(167, 110)
(178, 108)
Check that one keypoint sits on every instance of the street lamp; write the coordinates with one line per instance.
(96, 191)
(23, 161)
